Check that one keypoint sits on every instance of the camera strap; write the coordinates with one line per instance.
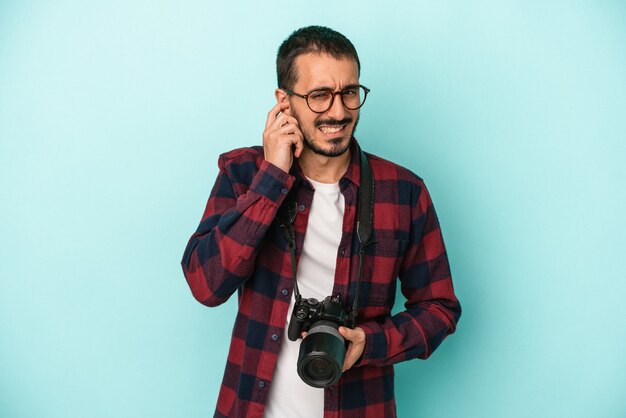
(363, 227)
(363, 230)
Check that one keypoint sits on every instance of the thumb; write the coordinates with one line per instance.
(348, 334)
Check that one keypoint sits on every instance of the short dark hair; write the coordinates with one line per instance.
(310, 39)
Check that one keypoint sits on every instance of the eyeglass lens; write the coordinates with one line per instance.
(321, 100)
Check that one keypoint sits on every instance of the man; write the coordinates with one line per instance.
(309, 152)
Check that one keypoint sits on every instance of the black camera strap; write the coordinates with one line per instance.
(364, 230)
(363, 226)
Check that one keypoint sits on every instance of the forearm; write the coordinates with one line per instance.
(220, 255)
(413, 333)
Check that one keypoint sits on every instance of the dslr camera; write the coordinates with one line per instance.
(323, 351)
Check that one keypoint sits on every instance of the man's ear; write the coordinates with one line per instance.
(283, 98)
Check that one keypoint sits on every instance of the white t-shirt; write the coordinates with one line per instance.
(289, 396)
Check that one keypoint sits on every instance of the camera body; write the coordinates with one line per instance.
(309, 311)
(323, 350)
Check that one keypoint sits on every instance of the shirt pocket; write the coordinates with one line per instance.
(380, 272)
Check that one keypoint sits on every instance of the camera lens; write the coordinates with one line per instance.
(321, 355)
(319, 369)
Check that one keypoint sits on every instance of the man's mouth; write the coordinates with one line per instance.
(332, 129)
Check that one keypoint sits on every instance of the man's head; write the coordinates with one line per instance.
(316, 58)
(307, 40)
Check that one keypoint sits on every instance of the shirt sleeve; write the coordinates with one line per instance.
(431, 310)
(220, 255)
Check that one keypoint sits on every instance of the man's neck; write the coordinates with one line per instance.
(324, 169)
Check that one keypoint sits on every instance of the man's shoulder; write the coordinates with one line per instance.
(384, 169)
(252, 157)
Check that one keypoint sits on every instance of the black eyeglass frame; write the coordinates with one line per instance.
(332, 100)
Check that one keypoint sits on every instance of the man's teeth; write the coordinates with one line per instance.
(331, 129)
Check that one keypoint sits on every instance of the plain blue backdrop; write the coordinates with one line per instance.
(113, 114)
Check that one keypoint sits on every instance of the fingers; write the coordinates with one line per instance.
(352, 355)
(356, 345)
(299, 145)
(277, 118)
(272, 114)
(293, 136)
(282, 138)
(350, 359)
(354, 335)
(289, 128)
(283, 120)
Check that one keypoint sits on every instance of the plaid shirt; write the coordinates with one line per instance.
(239, 246)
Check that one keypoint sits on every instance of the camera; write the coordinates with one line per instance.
(323, 351)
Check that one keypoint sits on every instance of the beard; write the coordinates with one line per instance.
(338, 146)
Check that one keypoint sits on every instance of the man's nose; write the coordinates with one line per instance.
(337, 110)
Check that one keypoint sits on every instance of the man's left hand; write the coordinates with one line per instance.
(356, 345)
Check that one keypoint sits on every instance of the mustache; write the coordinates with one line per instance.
(333, 122)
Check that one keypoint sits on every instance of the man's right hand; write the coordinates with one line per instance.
(282, 138)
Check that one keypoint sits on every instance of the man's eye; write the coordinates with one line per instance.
(319, 95)
(350, 92)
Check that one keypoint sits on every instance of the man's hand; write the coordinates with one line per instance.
(282, 138)
(356, 345)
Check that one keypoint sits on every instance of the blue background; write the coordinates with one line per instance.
(112, 115)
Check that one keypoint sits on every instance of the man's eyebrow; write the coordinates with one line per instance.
(349, 86)
(321, 88)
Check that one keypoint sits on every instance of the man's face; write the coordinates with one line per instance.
(327, 133)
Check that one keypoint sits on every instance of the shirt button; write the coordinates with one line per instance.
(274, 337)
(343, 252)
(261, 384)
(285, 292)
(284, 191)
(302, 207)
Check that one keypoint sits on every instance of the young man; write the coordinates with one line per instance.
(310, 159)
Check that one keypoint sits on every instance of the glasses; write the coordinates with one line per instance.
(320, 100)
